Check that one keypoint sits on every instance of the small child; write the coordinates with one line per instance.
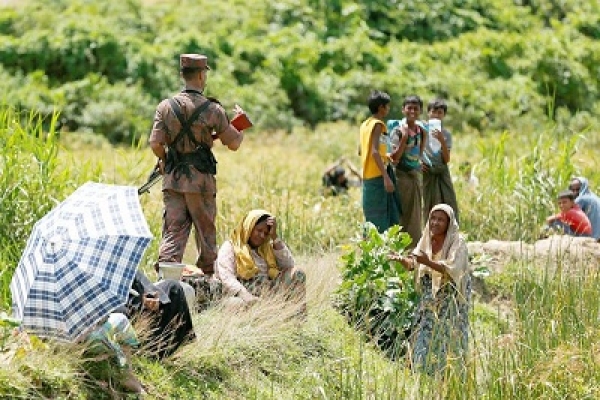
(571, 220)
(379, 198)
(467, 172)
(437, 182)
(408, 140)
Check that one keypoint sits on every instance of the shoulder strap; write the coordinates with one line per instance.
(186, 125)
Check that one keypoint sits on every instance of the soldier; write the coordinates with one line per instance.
(184, 130)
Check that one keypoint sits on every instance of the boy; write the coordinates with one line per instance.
(571, 220)
(408, 140)
(437, 183)
(379, 201)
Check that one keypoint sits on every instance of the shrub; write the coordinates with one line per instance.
(378, 295)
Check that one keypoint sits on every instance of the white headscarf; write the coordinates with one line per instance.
(453, 256)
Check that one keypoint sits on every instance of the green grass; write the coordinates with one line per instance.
(538, 341)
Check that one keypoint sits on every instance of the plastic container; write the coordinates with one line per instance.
(170, 270)
(434, 125)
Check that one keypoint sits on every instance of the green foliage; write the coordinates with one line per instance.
(444, 19)
(106, 65)
(378, 295)
(520, 190)
(550, 349)
(32, 182)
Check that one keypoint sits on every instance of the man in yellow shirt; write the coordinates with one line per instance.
(379, 201)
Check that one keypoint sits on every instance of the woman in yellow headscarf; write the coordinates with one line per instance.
(255, 260)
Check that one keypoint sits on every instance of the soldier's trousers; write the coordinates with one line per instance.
(181, 211)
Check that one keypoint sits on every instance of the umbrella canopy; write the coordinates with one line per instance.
(80, 261)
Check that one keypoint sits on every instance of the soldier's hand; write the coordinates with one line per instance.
(160, 164)
(237, 109)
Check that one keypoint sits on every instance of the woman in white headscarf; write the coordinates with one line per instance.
(441, 324)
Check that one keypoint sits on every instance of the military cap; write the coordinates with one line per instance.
(193, 61)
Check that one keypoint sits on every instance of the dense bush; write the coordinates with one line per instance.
(378, 295)
(302, 61)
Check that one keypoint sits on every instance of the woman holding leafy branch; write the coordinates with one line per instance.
(441, 324)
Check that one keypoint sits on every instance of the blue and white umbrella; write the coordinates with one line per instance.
(80, 261)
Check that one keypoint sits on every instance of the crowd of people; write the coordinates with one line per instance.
(255, 262)
(406, 180)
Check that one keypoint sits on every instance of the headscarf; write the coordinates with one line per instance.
(454, 254)
(245, 266)
(590, 204)
(585, 186)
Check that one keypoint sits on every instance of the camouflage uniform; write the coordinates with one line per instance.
(189, 199)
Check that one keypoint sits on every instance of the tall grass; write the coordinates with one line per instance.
(520, 177)
(551, 351)
(32, 182)
(546, 349)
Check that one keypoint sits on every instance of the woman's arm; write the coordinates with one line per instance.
(424, 259)
(226, 270)
(283, 255)
(455, 265)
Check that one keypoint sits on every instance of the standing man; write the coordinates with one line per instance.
(185, 127)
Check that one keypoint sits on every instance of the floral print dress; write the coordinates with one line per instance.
(440, 327)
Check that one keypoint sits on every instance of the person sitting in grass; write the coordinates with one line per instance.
(255, 262)
(163, 311)
(335, 179)
(588, 202)
(571, 220)
(440, 330)
(467, 172)
(116, 335)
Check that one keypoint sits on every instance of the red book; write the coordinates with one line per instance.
(241, 122)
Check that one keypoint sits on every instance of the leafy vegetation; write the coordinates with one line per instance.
(257, 355)
(520, 79)
(32, 182)
(500, 64)
(378, 295)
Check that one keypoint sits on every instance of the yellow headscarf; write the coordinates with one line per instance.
(246, 269)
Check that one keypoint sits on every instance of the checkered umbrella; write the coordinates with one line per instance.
(80, 261)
